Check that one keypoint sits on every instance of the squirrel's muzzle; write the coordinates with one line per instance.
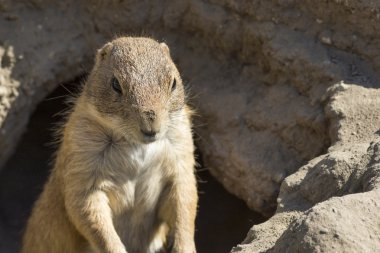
(150, 125)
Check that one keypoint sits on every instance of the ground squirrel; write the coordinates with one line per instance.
(123, 179)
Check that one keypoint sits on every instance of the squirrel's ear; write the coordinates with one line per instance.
(103, 52)
(165, 47)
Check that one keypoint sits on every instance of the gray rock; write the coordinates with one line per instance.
(332, 203)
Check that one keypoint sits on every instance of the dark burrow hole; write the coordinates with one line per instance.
(222, 220)
(5, 61)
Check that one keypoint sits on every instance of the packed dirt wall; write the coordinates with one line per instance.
(285, 92)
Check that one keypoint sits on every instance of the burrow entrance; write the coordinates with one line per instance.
(222, 221)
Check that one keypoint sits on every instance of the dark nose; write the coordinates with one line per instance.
(149, 134)
(150, 115)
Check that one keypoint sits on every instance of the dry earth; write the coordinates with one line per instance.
(285, 90)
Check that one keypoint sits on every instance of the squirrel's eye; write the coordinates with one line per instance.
(174, 85)
(116, 85)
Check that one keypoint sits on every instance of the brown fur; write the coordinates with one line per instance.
(112, 190)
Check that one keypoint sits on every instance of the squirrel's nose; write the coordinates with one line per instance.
(150, 126)
(150, 115)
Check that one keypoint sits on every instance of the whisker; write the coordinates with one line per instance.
(54, 98)
(69, 91)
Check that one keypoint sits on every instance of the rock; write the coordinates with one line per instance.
(353, 227)
(331, 204)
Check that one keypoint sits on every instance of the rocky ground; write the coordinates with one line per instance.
(285, 91)
(331, 204)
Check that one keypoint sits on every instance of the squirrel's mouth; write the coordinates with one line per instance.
(148, 136)
(147, 140)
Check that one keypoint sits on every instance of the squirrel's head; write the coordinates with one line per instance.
(137, 87)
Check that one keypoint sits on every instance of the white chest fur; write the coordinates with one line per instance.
(136, 176)
(134, 185)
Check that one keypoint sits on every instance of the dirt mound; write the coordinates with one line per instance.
(331, 204)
